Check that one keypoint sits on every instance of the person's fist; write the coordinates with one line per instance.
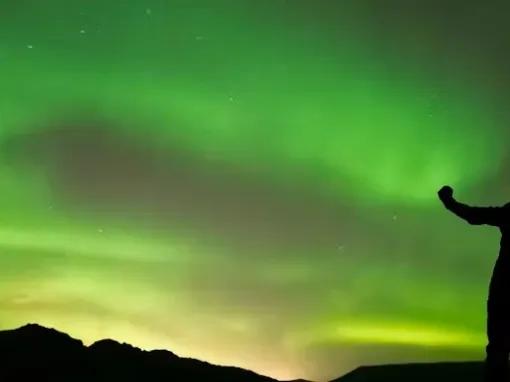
(445, 193)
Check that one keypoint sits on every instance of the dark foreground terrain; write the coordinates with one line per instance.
(418, 372)
(35, 353)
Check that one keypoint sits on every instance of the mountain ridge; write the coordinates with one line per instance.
(466, 371)
(37, 353)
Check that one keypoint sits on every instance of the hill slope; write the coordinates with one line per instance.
(417, 372)
(36, 353)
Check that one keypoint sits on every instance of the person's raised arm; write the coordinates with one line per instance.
(473, 215)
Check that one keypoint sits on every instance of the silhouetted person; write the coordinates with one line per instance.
(498, 302)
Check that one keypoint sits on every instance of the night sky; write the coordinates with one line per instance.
(253, 183)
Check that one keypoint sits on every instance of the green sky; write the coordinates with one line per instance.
(253, 183)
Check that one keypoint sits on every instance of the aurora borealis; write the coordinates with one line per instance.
(253, 183)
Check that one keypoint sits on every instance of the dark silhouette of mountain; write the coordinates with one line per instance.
(417, 372)
(36, 353)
